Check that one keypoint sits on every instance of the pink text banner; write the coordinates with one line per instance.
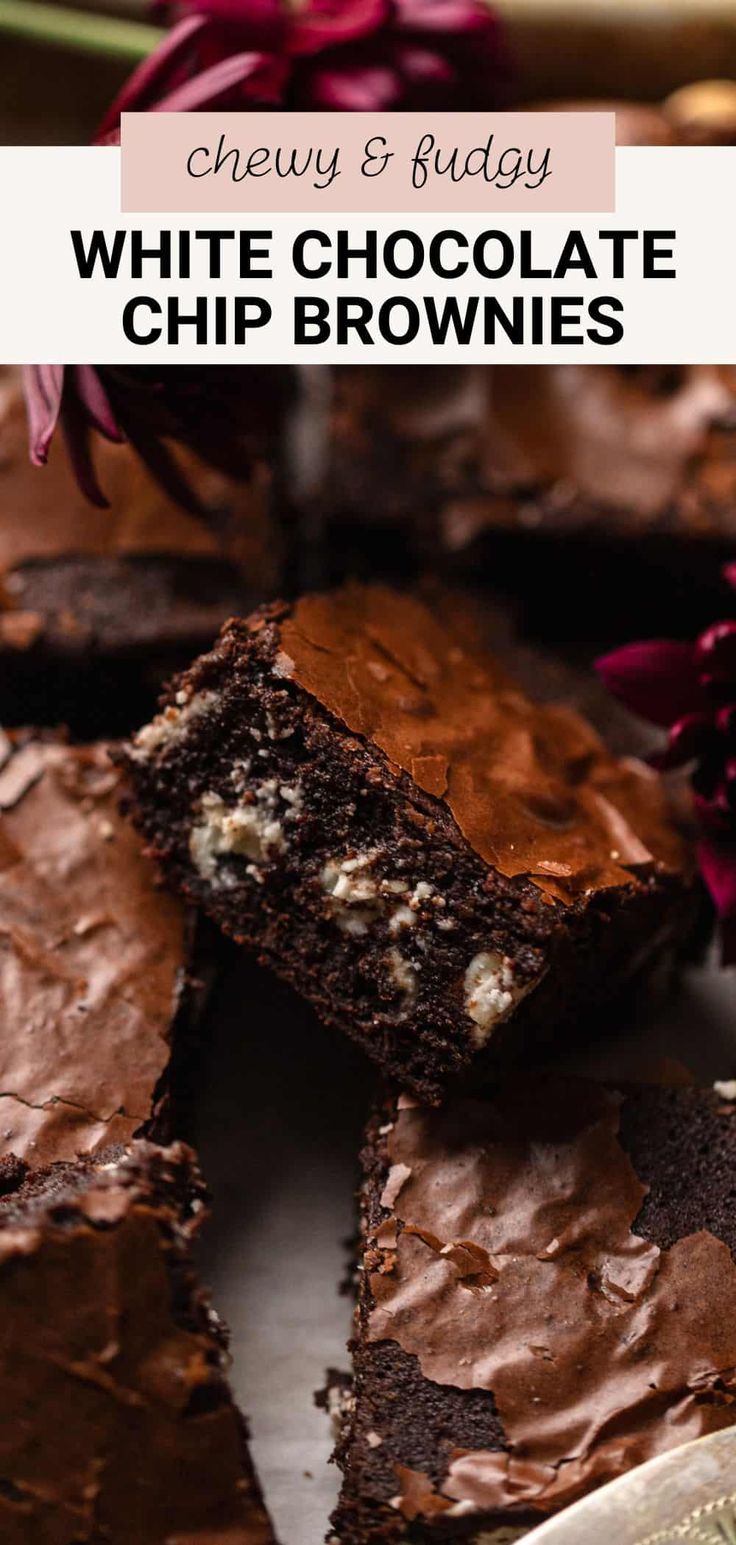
(359, 163)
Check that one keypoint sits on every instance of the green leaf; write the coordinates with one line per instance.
(79, 30)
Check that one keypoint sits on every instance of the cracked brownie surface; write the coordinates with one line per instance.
(101, 973)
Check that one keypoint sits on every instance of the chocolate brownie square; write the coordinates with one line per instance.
(117, 1420)
(441, 864)
(102, 974)
(547, 1298)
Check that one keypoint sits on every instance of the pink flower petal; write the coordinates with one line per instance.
(656, 679)
(423, 66)
(154, 75)
(260, 72)
(44, 387)
(690, 738)
(718, 867)
(327, 23)
(361, 89)
(451, 16)
(716, 652)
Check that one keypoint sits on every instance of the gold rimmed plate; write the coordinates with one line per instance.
(685, 1497)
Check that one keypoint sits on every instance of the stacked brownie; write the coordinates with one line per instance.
(98, 608)
(118, 1423)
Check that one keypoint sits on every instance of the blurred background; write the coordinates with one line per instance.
(56, 92)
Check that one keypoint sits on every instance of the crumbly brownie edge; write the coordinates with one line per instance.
(430, 1419)
(175, 1100)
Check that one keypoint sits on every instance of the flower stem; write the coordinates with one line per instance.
(81, 30)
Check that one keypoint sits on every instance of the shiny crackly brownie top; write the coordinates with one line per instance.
(92, 959)
(517, 1250)
(531, 786)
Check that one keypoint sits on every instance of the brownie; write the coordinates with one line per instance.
(602, 495)
(442, 865)
(98, 607)
(118, 1422)
(548, 1298)
(605, 494)
(102, 975)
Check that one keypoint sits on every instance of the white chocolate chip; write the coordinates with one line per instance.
(340, 1404)
(276, 731)
(252, 830)
(403, 917)
(406, 916)
(349, 884)
(491, 991)
(357, 899)
(726, 1088)
(168, 727)
(352, 892)
(239, 774)
(403, 973)
(357, 922)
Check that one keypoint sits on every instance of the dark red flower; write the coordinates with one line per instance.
(235, 54)
(225, 418)
(691, 690)
(338, 55)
